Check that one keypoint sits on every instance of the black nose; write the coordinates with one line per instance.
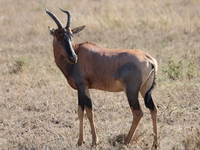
(74, 59)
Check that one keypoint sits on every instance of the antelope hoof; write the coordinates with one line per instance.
(126, 142)
(95, 143)
(80, 142)
(155, 145)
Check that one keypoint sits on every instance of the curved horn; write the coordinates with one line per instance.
(68, 16)
(57, 21)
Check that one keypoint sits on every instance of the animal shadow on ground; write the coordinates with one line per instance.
(118, 141)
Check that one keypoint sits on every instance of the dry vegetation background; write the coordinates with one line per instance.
(38, 109)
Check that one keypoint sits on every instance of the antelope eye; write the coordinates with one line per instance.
(64, 37)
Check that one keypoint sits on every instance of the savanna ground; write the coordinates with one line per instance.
(38, 109)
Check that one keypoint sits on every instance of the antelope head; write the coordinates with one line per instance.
(62, 42)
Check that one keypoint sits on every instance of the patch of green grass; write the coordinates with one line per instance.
(173, 69)
(20, 64)
(184, 68)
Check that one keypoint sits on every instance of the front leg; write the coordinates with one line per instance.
(90, 116)
(84, 101)
(80, 117)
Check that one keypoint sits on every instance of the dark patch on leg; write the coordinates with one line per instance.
(135, 104)
(132, 95)
(88, 102)
(148, 100)
(81, 104)
(83, 100)
(132, 92)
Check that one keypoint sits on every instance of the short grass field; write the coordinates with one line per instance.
(38, 109)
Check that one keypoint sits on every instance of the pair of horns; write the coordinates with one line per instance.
(57, 21)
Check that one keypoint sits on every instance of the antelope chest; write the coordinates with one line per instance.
(71, 83)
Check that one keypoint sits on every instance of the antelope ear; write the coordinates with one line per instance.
(51, 31)
(78, 29)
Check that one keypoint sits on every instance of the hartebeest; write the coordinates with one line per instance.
(89, 66)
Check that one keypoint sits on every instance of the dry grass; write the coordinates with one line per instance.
(39, 109)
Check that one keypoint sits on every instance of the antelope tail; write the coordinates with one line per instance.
(148, 98)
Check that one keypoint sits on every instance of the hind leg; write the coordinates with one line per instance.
(137, 115)
(154, 120)
(153, 111)
(132, 95)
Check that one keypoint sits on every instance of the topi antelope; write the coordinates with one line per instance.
(89, 66)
